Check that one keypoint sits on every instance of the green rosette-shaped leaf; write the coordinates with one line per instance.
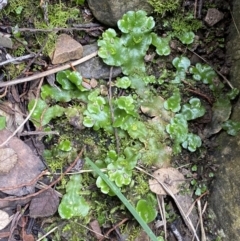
(111, 48)
(120, 168)
(97, 114)
(186, 37)
(136, 22)
(173, 103)
(203, 73)
(43, 114)
(69, 80)
(146, 211)
(192, 142)
(62, 79)
(233, 93)
(232, 127)
(72, 204)
(123, 82)
(65, 145)
(161, 44)
(178, 131)
(181, 64)
(136, 49)
(193, 110)
(126, 103)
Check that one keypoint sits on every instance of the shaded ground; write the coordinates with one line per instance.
(198, 167)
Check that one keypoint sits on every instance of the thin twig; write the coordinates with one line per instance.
(203, 211)
(195, 9)
(234, 22)
(48, 72)
(17, 59)
(86, 25)
(57, 29)
(27, 118)
(114, 227)
(200, 8)
(111, 109)
(201, 94)
(41, 133)
(4, 93)
(163, 213)
(91, 230)
(46, 234)
(203, 235)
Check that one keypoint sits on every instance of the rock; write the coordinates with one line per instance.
(3, 4)
(110, 11)
(225, 191)
(95, 67)
(213, 16)
(5, 40)
(66, 49)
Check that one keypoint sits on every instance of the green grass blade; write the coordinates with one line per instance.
(116, 190)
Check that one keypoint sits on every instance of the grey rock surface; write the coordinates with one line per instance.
(5, 41)
(3, 4)
(225, 193)
(95, 67)
(109, 12)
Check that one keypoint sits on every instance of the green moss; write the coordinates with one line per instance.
(58, 15)
(19, 10)
(162, 6)
(184, 23)
(14, 70)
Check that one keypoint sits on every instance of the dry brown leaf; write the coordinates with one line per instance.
(171, 177)
(8, 159)
(13, 114)
(4, 219)
(96, 228)
(25, 171)
(44, 204)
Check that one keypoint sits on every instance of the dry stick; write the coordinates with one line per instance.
(5, 92)
(58, 29)
(163, 213)
(111, 108)
(201, 94)
(203, 211)
(200, 8)
(193, 204)
(27, 118)
(234, 22)
(91, 230)
(203, 235)
(51, 184)
(46, 234)
(41, 133)
(114, 227)
(17, 59)
(195, 8)
(219, 73)
(49, 72)
(186, 219)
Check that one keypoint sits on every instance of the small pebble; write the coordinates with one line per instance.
(3, 3)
